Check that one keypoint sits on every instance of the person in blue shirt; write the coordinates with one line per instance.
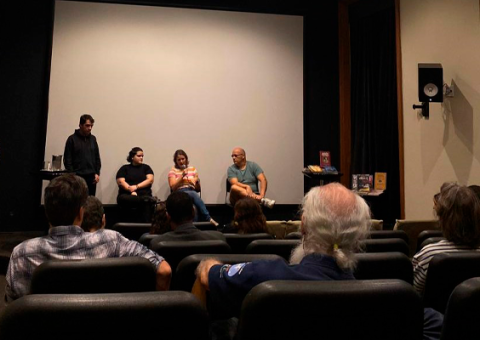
(334, 221)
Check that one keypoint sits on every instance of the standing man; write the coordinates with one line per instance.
(82, 155)
(244, 176)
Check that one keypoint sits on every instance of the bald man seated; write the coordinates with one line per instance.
(244, 177)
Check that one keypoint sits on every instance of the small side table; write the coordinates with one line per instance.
(48, 175)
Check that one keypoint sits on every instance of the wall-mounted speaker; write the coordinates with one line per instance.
(430, 83)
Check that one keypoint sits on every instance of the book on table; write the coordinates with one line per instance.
(362, 183)
(380, 181)
(325, 159)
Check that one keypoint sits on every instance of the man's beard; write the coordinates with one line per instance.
(298, 253)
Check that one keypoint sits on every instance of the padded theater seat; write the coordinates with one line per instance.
(413, 228)
(425, 235)
(445, 272)
(110, 275)
(131, 230)
(295, 235)
(381, 234)
(146, 238)
(134, 231)
(385, 245)
(374, 234)
(463, 312)
(282, 248)
(332, 310)
(147, 315)
(239, 242)
(385, 265)
(176, 251)
(430, 240)
(185, 274)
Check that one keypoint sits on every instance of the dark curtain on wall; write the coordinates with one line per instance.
(25, 48)
(374, 100)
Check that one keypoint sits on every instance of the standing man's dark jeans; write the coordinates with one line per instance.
(92, 186)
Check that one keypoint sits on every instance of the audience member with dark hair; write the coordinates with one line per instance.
(475, 189)
(93, 215)
(65, 199)
(180, 211)
(248, 218)
(184, 177)
(135, 185)
(458, 210)
(160, 220)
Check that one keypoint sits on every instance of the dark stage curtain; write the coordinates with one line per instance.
(374, 101)
(25, 35)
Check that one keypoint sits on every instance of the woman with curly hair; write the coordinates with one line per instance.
(248, 218)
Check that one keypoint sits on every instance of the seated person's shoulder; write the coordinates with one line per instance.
(28, 247)
(215, 234)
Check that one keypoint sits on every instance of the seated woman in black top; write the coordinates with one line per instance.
(135, 185)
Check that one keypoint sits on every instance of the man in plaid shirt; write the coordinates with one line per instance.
(65, 197)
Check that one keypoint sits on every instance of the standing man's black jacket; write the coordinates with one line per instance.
(82, 155)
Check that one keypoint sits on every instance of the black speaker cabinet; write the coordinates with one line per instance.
(430, 83)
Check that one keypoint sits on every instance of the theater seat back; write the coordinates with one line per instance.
(146, 315)
(336, 310)
(463, 312)
(110, 275)
(445, 272)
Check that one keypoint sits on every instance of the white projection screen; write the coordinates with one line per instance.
(168, 78)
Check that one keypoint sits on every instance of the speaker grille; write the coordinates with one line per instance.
(430, 83)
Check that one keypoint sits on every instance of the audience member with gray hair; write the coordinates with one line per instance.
(334, 221)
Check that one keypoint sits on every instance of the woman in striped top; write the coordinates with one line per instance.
(458, 211)
(183, 177)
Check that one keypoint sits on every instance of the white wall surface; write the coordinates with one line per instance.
(446, 147)
(168, 78)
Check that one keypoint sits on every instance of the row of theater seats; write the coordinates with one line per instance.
(413, 232)
(445, 272)
(114, 298)
(371, 265)
(381, 304)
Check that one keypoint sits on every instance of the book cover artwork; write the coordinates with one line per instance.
(362, 182)
(330, 170)
(380, 181)
(325, 159)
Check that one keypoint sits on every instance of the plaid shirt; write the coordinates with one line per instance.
(67, 243)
